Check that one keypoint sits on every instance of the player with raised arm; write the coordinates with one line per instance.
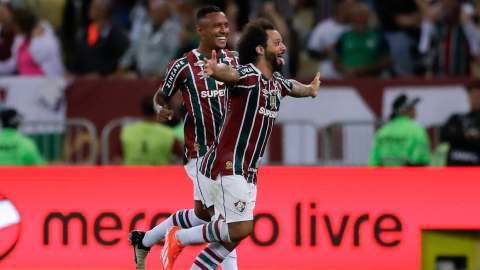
(204, 100)
(255, 90)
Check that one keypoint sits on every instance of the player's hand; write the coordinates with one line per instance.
(315, 85)
(210, 65)
(164, 114)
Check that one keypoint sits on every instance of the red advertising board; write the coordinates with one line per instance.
(306, 217)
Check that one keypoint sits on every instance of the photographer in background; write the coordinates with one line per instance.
(402, 142)
(15, 148)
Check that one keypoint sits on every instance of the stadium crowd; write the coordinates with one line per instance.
(132, 38)
(339, 38)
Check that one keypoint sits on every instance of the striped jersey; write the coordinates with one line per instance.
(203, 98)
(252, 106)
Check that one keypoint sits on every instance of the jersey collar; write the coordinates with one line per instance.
(201, 56)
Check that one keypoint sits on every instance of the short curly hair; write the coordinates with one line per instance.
(254, 34)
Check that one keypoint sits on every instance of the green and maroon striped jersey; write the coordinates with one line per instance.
(252, 106)
(203, 98)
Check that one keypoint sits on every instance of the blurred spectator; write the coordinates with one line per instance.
(15, 148)
(139, 16)
(147, 142)
(156, 46)
(36, 49)
(326, 34)
(363, 51)
(189, 39)
(75, 17)
(402, 142)
(400, 21)
(462, 133)
(448, 37)
(6, 31)
(100, 46)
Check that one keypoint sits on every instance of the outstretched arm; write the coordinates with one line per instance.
(220, 72)
(302, 90)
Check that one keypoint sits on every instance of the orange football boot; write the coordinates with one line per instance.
(171, 249)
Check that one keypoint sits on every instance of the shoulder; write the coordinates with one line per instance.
(178, 64)
(26, 142)
(278, 75)
(247, 70)
(234, 53)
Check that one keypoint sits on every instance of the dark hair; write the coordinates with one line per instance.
(473, 85)
(25, 20)
(10, 118)
(147, 106)
(205, 10)
(254, 34)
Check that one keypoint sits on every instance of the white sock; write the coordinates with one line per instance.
(230, 262)
(183, 218)
(211, 257)
(214, 231)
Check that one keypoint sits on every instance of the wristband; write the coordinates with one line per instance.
(158, 108)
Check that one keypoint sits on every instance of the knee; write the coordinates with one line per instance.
(240, 230)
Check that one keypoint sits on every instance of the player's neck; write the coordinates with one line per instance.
(207, 51)
(265, 68)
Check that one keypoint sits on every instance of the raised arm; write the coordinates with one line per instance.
(220, 72)
(302, 90)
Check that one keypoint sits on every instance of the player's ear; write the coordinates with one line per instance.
(260, 50)
(199, 29)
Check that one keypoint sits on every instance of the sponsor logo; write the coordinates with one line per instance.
(252, 170)
(229, 165)
(196, 146)
(212, 93)
(10, 227)
(268, 113)
(240, 206)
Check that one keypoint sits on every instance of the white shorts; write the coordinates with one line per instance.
(192, 168)
(232, 197)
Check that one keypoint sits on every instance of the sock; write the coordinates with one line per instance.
(214, 231)
(211, 257)
(230, 262)
(183, 218)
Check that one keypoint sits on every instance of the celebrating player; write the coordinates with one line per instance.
(255, 90)
(204, 99)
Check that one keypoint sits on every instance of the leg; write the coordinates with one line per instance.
(142, 242)
(235, 200)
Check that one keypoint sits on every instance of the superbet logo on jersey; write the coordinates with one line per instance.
(9, 227)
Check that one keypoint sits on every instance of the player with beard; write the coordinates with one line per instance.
(204, 100)
(255, 90)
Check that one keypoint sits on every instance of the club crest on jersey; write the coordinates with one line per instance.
(196, 146)
(240, 206)
(229, 165)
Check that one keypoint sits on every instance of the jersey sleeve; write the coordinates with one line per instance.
(176, 74)
(286, 85)
(247, 81)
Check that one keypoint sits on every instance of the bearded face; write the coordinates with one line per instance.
(276, 61)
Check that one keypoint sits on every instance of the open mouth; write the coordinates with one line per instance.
(280, 59)
(221, 38)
